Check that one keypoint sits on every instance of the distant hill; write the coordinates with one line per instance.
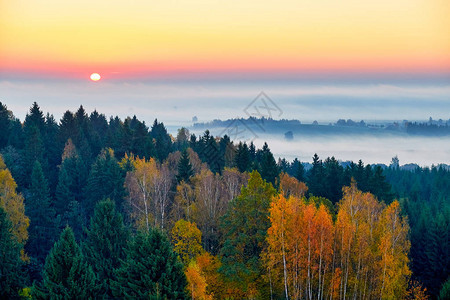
(290, 128)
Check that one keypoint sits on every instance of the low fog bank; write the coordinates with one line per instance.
(373, 149)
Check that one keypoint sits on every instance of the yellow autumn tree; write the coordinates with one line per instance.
(148, 187)
(13, 204)
(187, 240)
(394, 247)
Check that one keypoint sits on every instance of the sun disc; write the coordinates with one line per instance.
(95, 77)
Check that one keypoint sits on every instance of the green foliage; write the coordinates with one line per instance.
(268, 166)
(162, 140)
(105, 181)
(242, 158)
(105, 244)
(444, 294)
(38, 208)
(11, 277)
(315, 177)
(185, 170)
(66, 273)
(6, 118)
(151, 270)
(245, 227)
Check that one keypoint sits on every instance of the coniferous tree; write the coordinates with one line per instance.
(269, 168)
(105, 244)
(64, 194)
(11, 278)
(151, 270)
(299, 170)
(42, 215)
(315, 177)
(242, 158)
(66, 273)
(105, 181)
(444, 293)
(333, 180)
(6, 117)
(163, 142)
(185, 170)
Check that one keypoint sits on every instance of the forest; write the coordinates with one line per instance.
(102, 208)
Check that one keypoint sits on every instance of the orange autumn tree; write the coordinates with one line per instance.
(300, 246)
(290, 186)
(357, 237)
(363, 255)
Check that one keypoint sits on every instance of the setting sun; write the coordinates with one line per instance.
(95, 77)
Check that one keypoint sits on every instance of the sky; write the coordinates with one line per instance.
(135, 39)
(321, 60)
(172, 60)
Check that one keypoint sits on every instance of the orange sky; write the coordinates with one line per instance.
(122, 38)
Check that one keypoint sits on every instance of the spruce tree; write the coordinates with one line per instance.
(242, 158)
(42, 215)
(269, 168)
(63, 192)
(151, 270)
(316, 177)
(66, 273)
(163, 142)
(11, 278)
(185, 171)
(105, 181)
(105, 244)
(299, 170)
(6, 118)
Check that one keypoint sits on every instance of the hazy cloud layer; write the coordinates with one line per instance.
(177, 102)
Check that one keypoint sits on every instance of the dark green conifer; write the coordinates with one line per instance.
(185, 170)
(105, 181)
(105, 244)
(11, 277)
(42, 215)
(66, 273)
(151, 270)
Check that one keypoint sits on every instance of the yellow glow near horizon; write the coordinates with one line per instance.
(218, 34)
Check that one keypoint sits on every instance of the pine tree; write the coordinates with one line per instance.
(185, 170)
(445, 290)
(63, 192)
(66, 273)
(162, 140)
(334, 174)
(105, 181)
(11, 278)
(269, 168)
(42, 215)
(105, 244)
(151, 270)
(315, 177)
(6, 118)
(299, 170)
(242, 158)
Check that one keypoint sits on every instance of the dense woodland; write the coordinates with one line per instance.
(102, 208)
